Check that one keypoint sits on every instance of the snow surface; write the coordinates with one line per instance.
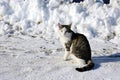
(29, 45)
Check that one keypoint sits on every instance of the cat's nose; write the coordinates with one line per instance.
(65, 32)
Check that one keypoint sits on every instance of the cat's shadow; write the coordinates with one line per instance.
(105, 59)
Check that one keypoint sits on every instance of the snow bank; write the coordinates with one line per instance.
(40, 18)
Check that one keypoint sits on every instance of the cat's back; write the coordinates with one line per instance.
(81, 37)
(80, 40)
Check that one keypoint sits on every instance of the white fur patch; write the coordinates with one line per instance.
(65, 36)
(80, 62)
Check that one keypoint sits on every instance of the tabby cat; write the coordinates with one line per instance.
(77, 46)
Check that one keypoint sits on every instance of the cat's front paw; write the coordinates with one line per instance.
(65, 59)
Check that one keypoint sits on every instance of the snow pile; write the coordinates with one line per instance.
(40, 17)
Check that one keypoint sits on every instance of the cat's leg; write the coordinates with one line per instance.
(66, 55)
(67, 51)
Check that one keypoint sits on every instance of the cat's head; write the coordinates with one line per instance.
(64, 28)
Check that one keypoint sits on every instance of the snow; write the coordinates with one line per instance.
(37, 59)
(29, 40)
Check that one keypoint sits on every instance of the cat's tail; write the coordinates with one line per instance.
(89, 66)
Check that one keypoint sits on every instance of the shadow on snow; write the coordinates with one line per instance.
(105, 59)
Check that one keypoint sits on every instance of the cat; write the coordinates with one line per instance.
(77, 46)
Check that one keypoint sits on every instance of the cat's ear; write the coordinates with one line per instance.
(70, 25)
(60, 26)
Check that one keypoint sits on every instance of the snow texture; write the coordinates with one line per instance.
(35, 17)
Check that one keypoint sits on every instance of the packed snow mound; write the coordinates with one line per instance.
(40, 18)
